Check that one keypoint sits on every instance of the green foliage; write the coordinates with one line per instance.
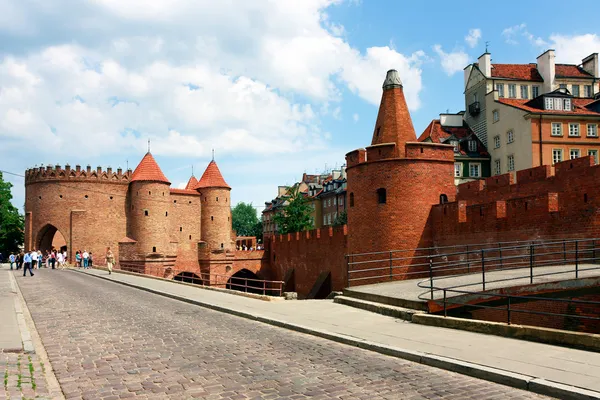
(296, 215)
(245, 221)
(11, 222)
(341, 219)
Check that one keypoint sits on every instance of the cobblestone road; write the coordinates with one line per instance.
(107, 341)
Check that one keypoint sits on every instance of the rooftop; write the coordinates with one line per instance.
(212, 178)
(148, 170)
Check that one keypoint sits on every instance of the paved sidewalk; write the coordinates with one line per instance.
(10, 335)
(541, 367)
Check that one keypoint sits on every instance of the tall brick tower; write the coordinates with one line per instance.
(149, 204)
(216, 209)
(393, 183)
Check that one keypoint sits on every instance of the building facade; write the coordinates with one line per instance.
(471, 158)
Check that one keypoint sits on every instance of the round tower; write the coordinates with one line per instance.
(149, 203)
(216, 209)
(393, 183)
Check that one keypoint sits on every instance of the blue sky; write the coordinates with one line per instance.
(277, 88)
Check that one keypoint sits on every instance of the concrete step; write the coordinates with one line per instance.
(379, 308)
(392, 301)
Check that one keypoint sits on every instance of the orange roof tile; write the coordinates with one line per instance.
(184, 191)
(571, 71)
(578, 107)
(192, 183)
(148, 170)
(522, 72)
(212, 177)
(438, 134)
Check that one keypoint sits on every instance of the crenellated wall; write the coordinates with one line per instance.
(538, 203)
(309, 254)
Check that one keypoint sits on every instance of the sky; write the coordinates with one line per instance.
(275, 87)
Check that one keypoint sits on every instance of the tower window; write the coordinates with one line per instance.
(181, 229)
(61, 196)
(86, 196)
(166, 213)
(381, 196)
(174, 201)
(110, 197)
(212, 218)
(190, 237)
(351, 199)
(443, 199)
(221, 245)
(217, 199)
(146, 213)
(154, 249)
(189, 202)
(149, 193)
(377, 132)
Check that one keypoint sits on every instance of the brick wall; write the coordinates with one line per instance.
(308, 254)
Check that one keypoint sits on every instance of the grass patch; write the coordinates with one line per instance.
(6, 378)
(33, 385)
(43, 367)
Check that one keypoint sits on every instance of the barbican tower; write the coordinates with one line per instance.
(393, 183)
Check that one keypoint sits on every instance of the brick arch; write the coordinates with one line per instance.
(45, 236)
(244, 277)
(188, 277)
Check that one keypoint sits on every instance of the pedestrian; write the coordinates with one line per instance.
(40, 259)
(78, 259)
(27, 260)
(53, 258)
(11, 259)
(91, 260)
(60, 259)
(34, 259)
(110, 260)
(19, 260)
(86, 259)
(64, 258)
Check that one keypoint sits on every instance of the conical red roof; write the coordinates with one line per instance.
(191, 183)
(394, 124)
(148, 170)
(212, 178)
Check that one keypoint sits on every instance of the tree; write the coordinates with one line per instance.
(11, 222)
(244, 220)
(341, 219)
(295, 217)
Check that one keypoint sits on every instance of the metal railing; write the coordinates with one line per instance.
(243, 284)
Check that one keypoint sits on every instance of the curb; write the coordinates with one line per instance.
(23, 329)
(516, 380)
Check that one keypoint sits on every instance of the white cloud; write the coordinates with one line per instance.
(473, 37)
(452, 62)
(513, 33)
(573, 48)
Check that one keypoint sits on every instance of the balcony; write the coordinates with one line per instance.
(474, 108)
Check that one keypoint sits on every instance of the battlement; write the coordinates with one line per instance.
(411, 151)
(566, 176)
(57, 173)
(312, 234)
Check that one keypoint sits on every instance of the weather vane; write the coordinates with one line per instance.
(486, 46)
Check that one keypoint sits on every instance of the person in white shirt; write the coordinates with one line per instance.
(86, 258)
(59, 259)
(34, 259)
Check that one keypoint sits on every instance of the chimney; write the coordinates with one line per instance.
(394, 124)
(485, 64)
(590, 65)
(547, 69)
(467, 73)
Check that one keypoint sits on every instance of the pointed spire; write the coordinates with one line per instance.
(212, 178)
(394, 124)
(192, 183)
(148, 170)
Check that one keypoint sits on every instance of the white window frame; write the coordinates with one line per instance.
(535, 91)
(558, 103)
(478, 170)
(594, 130)
(558, 131)
(574, 153)
(510, 136)
(497, 141)
(472, 145)
(495, 116)
(557, 156)
(594, 154)
(512, 90)
(510, 162)
(574, 129)
(497, 167)
(457, 169)
(573, 90)
(500, 89)
(524, 91)
(549, 103)
(567, 104)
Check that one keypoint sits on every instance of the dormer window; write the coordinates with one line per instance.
(472, 145)
(549, 103)
(557, 103)
(455, 144)
(567, 104)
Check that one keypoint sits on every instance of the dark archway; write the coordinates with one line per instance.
(50, 238)
(245, 281)
(188, 277)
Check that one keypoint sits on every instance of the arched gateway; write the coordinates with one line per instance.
(49, 237)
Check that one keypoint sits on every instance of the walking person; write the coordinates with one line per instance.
(11, 259)
(60, 260)
(27, 260)
(90, 260)
(78, 259)
(19, 260)
(53, 259)
(34, 260)
(110, 260)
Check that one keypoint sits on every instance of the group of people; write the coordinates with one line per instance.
(83, 259)
(37, 259)
(251, 248)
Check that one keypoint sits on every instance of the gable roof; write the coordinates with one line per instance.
(579, 107)
(571, 71)
(521, 72)
(437, 133)
(212, 178)
(148, 170)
